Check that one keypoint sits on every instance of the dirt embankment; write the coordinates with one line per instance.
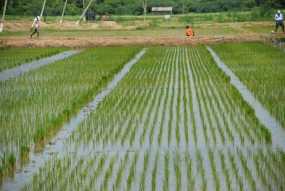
(82, 42)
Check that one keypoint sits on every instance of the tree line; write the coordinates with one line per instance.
(135, 7)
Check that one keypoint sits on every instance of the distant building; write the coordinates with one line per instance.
(161, 10)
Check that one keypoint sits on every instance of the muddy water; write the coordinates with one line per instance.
(13, 72)
(38, 156)
(262, 114)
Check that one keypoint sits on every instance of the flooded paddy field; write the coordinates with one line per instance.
(173, 121)
(13, 57)
(36, 103)
(261, 69)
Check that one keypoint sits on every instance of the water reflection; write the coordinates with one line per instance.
(262, 114)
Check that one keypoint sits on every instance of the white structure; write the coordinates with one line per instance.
(2, 21)
(41, 16)
(161, 10)
(63, 12)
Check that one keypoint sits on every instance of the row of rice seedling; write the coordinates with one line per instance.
(178, 97)
(145, 116)
(261, 68)
(11, 57)
(229, 98)
(172, 91)
(36, 103)
(245, 168)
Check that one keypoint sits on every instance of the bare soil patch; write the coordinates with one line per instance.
(83, 42)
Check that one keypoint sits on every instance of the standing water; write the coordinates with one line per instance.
(13, 72)
(262, 114)
(56, 144)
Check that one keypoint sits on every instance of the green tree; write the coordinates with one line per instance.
(248, 4)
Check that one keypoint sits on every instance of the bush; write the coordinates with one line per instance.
(255, 14)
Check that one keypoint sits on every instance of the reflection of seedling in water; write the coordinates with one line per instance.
(177, 170)
(153, 110)
(132, 171)
(108, 174)
(145, 167)
(154, 173)
(214, 169)
(120, 171)
(262, 75)
(190, 177)
(166, 171)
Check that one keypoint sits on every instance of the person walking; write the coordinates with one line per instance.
(189, 31)
(36, 26)
(279, 21)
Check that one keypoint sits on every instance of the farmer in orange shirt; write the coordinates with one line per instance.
(189, 31)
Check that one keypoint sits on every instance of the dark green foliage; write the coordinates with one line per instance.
(134, 7)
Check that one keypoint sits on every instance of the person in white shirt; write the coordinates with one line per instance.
(36, 26)
(279, 21)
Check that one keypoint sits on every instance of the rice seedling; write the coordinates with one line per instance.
(11, 57)
(260, 69)
(177, 89)
(44, 98)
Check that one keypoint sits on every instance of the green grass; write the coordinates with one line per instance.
(176, 31)
(262, 29)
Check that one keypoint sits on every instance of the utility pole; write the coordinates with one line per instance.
(63, 12)
(84, 12)
(183, 4)
(43, 9)
(144, 2)
(2, 21)
(84, 8)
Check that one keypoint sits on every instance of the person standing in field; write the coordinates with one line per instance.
(189, 31)
(36, 26)
(279, 21)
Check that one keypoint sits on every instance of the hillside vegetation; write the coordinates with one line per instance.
(135, 7)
